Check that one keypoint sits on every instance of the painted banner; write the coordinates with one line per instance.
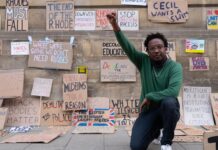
(170, 11)
(194, 46)
(42, 87)
(52, 55)
(3, 116)
(117, 70)
(19, 48)
(112, 48)
(199, 64)
(17, 15)
(128, 20)
(98, 103)
(197, 106)
(53, 115)
(22, 112)
(12, 82)
(101, 20)
(212, 19)
(125, 107)
(134, 2)
(214, 103)
(75, 91)
(59, 15)
(85, 20)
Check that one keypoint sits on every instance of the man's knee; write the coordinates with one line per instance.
(170, 103)
(137, 145)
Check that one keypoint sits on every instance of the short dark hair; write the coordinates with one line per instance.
(154, 36)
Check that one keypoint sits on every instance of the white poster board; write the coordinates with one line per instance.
(197, 106)
(42, 87)
(19, 48)
(85, 20)
(134, 2)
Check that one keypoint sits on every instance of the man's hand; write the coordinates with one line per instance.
(113, 21)
(144, 103)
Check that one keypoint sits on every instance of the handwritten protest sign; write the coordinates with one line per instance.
(98, 103)
(3, 115)
(170, 11)
(197, 106)
(42, 87)
(214, 103)
(52, 114)
(128, 20)
(125, 121)
(59, 15)
(22, 112)
(125, 107)
(75, 91)
(53, 55)
(112, 48)
(17, 15)
(19, 48)
(85, 20)
(134, 2)
(101, 20)
(198, 63)
(117, 70)
(212, 19)
(11, 83)
(194, 46)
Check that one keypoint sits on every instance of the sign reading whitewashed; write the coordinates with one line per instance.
(199, 64)
(197, 106)
(128, 20)
(85, 20)
(19, 48)
(112, 48)
(117, 70)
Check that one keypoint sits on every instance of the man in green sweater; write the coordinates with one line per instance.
(161, 80)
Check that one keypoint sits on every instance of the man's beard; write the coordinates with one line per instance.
(159, 63)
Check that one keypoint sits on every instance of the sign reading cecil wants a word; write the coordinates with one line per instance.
(170, 11)
(53, 55)
(75, 91)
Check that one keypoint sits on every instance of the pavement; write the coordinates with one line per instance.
(116, 141)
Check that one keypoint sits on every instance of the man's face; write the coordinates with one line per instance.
(156, 49)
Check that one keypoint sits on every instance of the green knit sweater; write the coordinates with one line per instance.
(156, 84)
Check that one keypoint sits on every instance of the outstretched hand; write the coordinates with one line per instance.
(111, 17)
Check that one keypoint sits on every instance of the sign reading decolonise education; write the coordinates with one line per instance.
(170, 11)
(112, 48)
(53, 55)
(60, 15)
(117, 70)
(16, 15)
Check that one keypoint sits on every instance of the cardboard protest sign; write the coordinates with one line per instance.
(212, 19)
(42, 87)
(170, 11)
(98, 103)
(3, 115)
(214, 103)
(194, 46)
(85, 20)
(101, 20)
(128, 20)
(22, 112)
(197, 106)
(17, 15)
(75, 91)
(94, 121)
(112, 48)
(125, 121)
(59, 15)
(134, 2)
(171, 51)
(210, 140)
(125, 107)
(199, 64)
(52, 55)
(19, 48)
(115, 70)
(53, 115)
(188, 139)
(11, 83)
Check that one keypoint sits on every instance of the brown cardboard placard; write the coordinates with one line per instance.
(214, 103)
(75, 91)
(170, 11)
(42, 87)
(22, 112)
(17, 16)
(12, 82)
(188, 139)
(193, 131)
(59, 15)
(52, 114)
(210, 140)
(117, 70)
(3, 115)
(98, 103)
